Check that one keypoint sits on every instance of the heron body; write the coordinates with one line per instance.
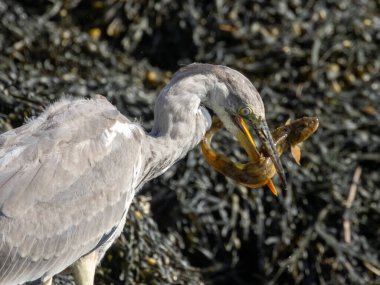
(67, 178)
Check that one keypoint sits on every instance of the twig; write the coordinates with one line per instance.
(372, 268)
(348, 204)
(354, 187)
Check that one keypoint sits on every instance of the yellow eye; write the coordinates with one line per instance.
(245, 111)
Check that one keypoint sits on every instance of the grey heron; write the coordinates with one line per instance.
(67, 178)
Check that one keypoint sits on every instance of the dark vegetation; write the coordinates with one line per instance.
(192, 225)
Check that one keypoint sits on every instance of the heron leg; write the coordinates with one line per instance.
(84, 269)
(48, 282)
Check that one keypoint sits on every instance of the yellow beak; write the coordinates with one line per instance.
(249, 145)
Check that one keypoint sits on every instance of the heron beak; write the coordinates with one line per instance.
(246, 140)
(266, 139)
(249, 145)
(265, 136)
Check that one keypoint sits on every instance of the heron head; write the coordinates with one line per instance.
(241, 110)
(234, 99)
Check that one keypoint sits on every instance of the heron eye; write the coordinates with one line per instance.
(245, 111)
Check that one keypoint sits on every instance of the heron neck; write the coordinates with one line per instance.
(179, 125)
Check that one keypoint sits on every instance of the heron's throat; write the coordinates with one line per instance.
(180, 122)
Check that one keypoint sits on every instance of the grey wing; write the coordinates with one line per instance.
(65, 183)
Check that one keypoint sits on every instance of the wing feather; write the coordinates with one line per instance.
(65, 180)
